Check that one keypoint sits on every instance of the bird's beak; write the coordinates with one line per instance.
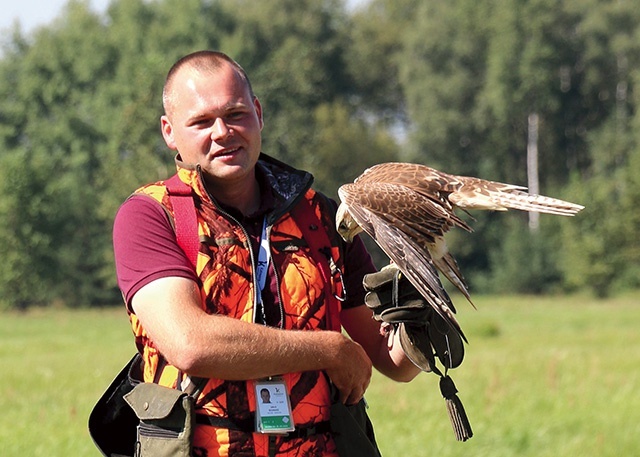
(346, 226)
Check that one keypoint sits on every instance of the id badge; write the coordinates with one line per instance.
(273, 406)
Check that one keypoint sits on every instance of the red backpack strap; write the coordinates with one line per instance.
(315, 234)
(186, 226)
(186, 221)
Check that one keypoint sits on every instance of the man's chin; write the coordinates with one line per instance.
(219, 172)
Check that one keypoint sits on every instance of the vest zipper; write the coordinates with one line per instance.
(254, 277)
(275, 272)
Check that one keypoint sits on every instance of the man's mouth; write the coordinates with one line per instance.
(226, 152)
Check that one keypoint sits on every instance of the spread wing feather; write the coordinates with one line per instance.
(394, 225)
(464, 191)
(422, 218)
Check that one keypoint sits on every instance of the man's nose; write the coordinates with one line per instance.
(220, 130)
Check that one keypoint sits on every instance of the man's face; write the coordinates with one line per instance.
(215, 122)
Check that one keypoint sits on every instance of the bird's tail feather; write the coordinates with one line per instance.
(528, 202)
(503, 200)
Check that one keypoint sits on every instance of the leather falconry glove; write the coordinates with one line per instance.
(423, 333)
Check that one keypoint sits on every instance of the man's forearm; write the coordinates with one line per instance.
(226, 348)
(222, 347)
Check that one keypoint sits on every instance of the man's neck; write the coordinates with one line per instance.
(245, 196)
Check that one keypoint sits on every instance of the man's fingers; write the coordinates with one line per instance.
(352, 397)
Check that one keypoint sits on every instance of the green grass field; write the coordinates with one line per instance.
(541, 377)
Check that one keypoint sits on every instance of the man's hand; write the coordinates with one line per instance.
(393, 299)
(423, 332)
(351, 372)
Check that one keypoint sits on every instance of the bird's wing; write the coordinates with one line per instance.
(411, 197)
(430, 184)
(466, 192)
(426, 213)
(400, 223)
(411, 175)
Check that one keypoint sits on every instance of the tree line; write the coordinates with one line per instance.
(447, 84)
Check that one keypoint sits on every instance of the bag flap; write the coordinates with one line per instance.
(152, 401)
(112, 423)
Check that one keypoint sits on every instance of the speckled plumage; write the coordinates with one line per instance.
(407, 209)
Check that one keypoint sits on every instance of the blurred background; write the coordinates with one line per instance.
(466, 86)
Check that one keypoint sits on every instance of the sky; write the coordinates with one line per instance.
(34, 13)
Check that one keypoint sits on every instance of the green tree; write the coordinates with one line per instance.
(448, 84)
(50, 227)
(441, 72)
(473, 72)
(602, 247)
(374, 33)
(343, 147)
(293, 53)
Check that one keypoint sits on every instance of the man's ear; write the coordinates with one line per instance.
(167, 132)
(258, 108)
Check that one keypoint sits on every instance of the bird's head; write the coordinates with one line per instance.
(346, 225)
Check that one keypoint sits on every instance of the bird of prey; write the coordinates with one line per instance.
(407, 209)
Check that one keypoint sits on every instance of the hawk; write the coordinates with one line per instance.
(407, 209)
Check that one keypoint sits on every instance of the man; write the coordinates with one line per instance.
(265, 395)
(221, 322)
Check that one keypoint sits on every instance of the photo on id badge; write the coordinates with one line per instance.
(273, 412)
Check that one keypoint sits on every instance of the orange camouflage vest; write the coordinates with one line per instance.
(225, 268)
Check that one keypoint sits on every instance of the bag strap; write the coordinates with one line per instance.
(315, 234)
(185, 219)
(186, 227)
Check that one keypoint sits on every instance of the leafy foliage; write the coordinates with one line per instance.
(448, 84)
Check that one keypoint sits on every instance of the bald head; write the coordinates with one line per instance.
(201, 62)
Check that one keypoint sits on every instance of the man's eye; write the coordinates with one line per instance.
(235, 115)
(201, 122)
